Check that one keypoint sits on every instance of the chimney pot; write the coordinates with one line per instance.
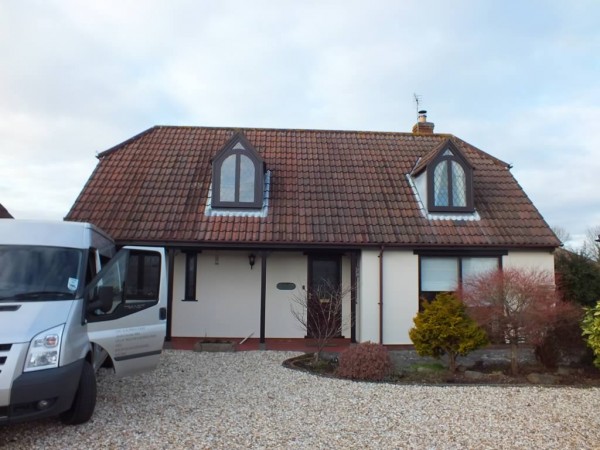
(422, 126)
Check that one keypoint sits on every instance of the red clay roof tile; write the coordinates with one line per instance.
(327, 187)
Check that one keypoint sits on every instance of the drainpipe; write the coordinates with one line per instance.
(263, 299)
(381, 294)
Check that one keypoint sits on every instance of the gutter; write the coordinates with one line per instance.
(274, 246)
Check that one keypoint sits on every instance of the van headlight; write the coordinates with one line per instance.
(44, 350)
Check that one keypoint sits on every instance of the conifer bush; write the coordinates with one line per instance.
(443, 327)
(365, 361)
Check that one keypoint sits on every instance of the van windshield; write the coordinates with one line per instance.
(29, 273)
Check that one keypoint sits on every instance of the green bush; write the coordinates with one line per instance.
(443, 327)
(365, 361)
(591, 330)
(577, 277)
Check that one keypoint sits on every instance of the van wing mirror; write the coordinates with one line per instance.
(104, 300)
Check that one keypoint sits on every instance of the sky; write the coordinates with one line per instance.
(518, 79)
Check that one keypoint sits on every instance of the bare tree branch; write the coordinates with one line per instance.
(320, 313)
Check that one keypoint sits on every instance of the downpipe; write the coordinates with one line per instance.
(381, 294)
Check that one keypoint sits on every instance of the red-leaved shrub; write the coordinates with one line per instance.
(365, 361)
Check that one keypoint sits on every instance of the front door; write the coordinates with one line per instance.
(126, 309)
(324, 306)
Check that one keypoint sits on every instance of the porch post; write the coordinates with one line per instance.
(171, 270)
(263, 298)
(353, 288)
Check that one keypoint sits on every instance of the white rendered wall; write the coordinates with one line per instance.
(284, 268)
(529, 260)
(228, 294)
(401, 295)
(367, 309)
(292, 267)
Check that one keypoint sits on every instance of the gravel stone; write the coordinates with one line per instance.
(248, 400)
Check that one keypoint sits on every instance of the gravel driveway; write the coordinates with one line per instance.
(247, 400)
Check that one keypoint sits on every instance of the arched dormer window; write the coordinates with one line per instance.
(238, 176)
(450, 182)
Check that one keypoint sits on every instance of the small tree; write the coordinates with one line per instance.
(319, 313)
(591, 244)
(577, 277)
(443, 327)
(591, 331)
(515, 306)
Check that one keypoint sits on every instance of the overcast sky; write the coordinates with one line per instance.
(518, 79)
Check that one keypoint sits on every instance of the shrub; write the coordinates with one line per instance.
(577, 277)
(443, 327)
(591, 331)
(365, 361)
(563, 343)
(515, 306)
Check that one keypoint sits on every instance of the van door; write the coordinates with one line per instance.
(126, 309)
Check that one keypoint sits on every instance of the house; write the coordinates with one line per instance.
(4, 214)
(253, 217)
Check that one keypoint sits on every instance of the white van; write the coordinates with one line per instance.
(69, 305)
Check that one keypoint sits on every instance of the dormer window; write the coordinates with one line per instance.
(450, 182)
(238, 176)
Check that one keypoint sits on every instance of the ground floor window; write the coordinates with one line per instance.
(191, 261)
(446, 273)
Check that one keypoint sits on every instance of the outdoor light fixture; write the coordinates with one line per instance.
(251, 260)
(598, 240)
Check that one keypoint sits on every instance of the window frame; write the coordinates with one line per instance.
(238, 146)
(124, 303)
(458, 256)
(191, 266)
(441, 158)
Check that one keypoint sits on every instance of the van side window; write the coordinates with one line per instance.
(143, 276)
(129, 283)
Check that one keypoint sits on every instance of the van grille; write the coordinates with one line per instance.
(9, 308)
(4, 348)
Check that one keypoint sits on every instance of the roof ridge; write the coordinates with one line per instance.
(192, 127)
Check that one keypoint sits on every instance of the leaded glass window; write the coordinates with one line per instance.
(459, 185)
(450, 182)
(246, 179)
(440, 184)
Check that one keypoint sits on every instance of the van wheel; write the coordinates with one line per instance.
(85, 398)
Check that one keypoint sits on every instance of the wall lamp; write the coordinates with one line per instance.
(598, 240)
(251, 260)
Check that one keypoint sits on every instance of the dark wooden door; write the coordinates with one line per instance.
(324, 296)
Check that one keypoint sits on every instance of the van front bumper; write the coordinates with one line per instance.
(44, 393)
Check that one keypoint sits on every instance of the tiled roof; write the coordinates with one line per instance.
(4, 214)
(343, 188)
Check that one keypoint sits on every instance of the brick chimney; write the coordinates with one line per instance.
(422, 126)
